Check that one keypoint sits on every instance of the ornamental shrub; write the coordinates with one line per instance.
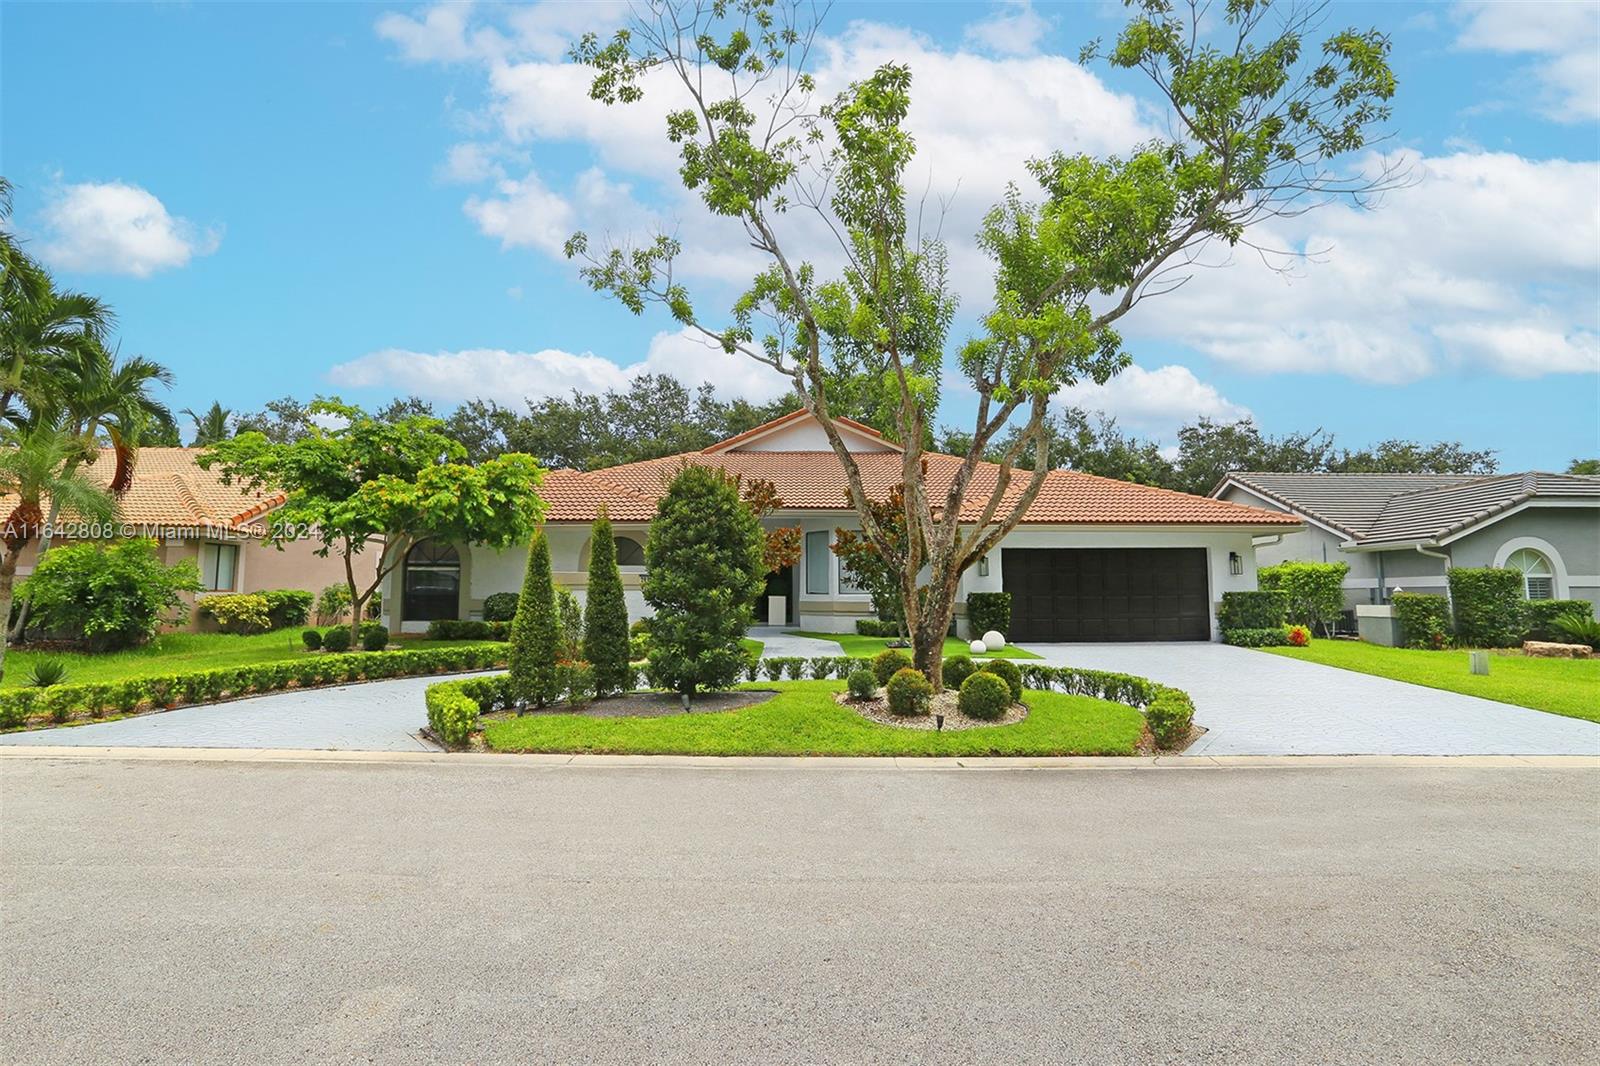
(1007, 671)
(336, 639)
(957, 669)
(500, 607)
(287, 607)
(1315, 591)
(452, 714)
(244, 612)
(821, 666)
(989, 610)
(876, 627)
(1263, 609)
(1275, 637)
(1488, 606)
(1539, 617)
(863, 684)
(536, 633)
(374, 637)
(1170, 716)
(908, 691)
(889, 662)
(312, 639)
(109, 596)
(704, 568)
(984, 695)
(569, 625)
(332, 603)
(1299, 636)
(1424, 619)
(1579, 626)
(605, 613)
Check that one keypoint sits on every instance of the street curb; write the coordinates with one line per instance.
(746, 762)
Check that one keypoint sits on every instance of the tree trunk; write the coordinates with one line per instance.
(928, 620)
(8, 579)
(14, 634)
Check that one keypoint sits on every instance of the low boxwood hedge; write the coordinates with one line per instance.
(1274, 637)
(1170, 716)
(1253, 610)
(1539, 616)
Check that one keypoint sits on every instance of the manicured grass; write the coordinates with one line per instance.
(866, 647)
(1569, 687)
(752, 647)
(173, 653)
(803, 719)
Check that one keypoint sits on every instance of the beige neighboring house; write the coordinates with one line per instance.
(193, 515)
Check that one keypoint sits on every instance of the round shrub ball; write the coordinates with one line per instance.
(1007, 671)
(993, 641)
(909, 692)
(984, 695)
(500, 606)
(887, 663)
(312, 639)
(862, 683)
(337, 639)
(374, 637)
(978, 647)
(957, 669)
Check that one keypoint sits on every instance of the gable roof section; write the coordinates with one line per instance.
(170, 489)
(794, 418)
(1380, 509)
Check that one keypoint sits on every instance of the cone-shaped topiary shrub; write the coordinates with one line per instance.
(534, 633)
(984, 695)
(605, 614)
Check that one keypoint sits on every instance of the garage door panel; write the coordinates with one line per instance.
(1107, 594)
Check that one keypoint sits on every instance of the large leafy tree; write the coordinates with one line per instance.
(1259, 118)
(369, 490)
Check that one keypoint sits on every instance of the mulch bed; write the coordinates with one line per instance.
(944, 703)
(652, 705)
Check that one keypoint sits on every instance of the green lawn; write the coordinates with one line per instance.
(866, 647)
(804, 720)
(1569, 687)
(752, 647)
(173, 653)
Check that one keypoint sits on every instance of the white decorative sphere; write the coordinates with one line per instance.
(978, 647)
(993, 641)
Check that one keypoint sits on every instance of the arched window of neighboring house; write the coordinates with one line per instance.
(1538, 576)
(629, 552)
(432, 582)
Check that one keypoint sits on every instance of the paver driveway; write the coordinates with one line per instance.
(1254, 703)
(375, 716)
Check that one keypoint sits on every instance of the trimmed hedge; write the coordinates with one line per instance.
(1315, 591)
(1007, 671)
(312, 639)
(1539, 617)
(876, 627)
(1263, 609)
(1170, 717)
(467, 629)
(337, 639)
(1276, 637)
(1424, 619)
(61, 702)
(1488, 604)
(989, 610)
(288, 607)
(984, 695)
(500, 606)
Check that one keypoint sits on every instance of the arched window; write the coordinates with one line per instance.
(629, 552)
(432, 582)
(1538, 576)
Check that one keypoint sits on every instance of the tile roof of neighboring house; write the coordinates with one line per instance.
(169, 489)
(1406, 508)
(816, 481)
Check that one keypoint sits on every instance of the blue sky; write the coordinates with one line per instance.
(366, 199)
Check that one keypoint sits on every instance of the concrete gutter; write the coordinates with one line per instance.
(804, 762)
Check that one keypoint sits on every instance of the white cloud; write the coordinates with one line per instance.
(493, 373)
(1015, 29)
(441, 35)
(1156, 400)
(1565, 38)
(115, 228)
(1527, 348)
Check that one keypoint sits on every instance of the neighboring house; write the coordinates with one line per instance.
(1095, 560)
(1402, 531)
(193, 515)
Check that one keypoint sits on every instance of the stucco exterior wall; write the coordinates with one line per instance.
(1568, 536)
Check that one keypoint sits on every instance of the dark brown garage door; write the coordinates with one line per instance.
(1097, 594)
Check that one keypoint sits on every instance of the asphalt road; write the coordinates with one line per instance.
(162, 911)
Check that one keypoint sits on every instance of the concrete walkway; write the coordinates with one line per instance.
(375, 716)
(1254, 703)
(780, 644)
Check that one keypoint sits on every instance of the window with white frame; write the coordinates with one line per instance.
(1538, 576)
(817, 563)
(219, 566)
(847, 584)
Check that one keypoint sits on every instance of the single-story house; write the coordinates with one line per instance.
(1402, 531)
(1095, 559)
(193, 515)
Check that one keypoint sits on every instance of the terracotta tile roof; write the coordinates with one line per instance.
(789, 419)
(816, 481)
(169, 489)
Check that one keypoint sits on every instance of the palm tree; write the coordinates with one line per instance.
(35, 466)
(213, 426)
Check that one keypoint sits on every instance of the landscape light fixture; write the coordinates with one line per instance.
(938, 723)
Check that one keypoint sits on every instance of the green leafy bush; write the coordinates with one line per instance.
(957, 669)
(336, 639)
(575, 680)
(704, 568)
(569, 625)
(876, 627)
(500, 606)
(1263, 609)
(1488, 606)
(287, 607)
(888, 662)
(47, 672)
(536, 632)
(464, 629)
(1424, 619)
(1579, 627)
(862, 683)
(107, 595)
(908, 692)
(1007, 671)
(606, 641)
(238, 612)
(1315, 591)
(822, 666)
(374, 637)
(452, 715)
(1539, 617)
(312, 639)
(1298, 636)
(984, 695)
(1275, 637)
(989, 610)
(1170, 716)
(332, 603)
